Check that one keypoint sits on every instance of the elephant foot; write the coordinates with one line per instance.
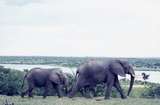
(98, 99)
(106, 98)
(70, 96)
(124, 97)
(94, 95)
(88, 97)
(60, 97)
(44, 97)
(22, 95)
(30, 96)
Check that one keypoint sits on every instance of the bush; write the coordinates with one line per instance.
(10, 81)
(152, 92)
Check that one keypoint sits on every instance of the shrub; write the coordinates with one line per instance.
(10, 81)
(152, 92)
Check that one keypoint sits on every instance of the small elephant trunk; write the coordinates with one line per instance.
(131, 84)
(66, 90)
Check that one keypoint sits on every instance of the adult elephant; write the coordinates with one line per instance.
(95, 72)
(40, 77)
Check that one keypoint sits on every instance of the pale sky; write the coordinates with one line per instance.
(110, 28)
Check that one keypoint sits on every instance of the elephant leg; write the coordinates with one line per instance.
(109, 86)
(59, 91)
(46, 89)
(30, 92)
(89, 91)
(93, 92)
(45, 92)
(79, 84)
(82, 92)
(30, 89)
(118, 87)
(90, 95)
(24, 93)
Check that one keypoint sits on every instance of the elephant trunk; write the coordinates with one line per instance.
(73, 91)
(75, 88)
(131, 84)
(66, 90)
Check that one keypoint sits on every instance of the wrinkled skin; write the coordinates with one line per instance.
(39, 77)
(67, 82)
(95, 72)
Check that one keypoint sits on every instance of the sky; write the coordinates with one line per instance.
(101, 28)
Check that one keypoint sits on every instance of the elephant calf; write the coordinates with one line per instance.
(40, 77)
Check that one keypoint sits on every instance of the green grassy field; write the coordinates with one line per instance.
(51, 100)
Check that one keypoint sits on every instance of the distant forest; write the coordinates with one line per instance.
(146, 63)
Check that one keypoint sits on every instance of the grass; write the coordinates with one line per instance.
(52, 100)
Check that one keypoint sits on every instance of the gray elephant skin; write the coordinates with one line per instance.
(95, 72)
(40, 77)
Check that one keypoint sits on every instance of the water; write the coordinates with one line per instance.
(21, 67)
(154, 75)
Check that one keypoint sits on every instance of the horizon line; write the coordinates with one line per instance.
(80, 56)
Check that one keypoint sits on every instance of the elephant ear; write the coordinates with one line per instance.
(117, 69)
(61, 77)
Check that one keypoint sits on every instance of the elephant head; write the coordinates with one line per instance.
(122, 68)
(64, 80)
(66, 83)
